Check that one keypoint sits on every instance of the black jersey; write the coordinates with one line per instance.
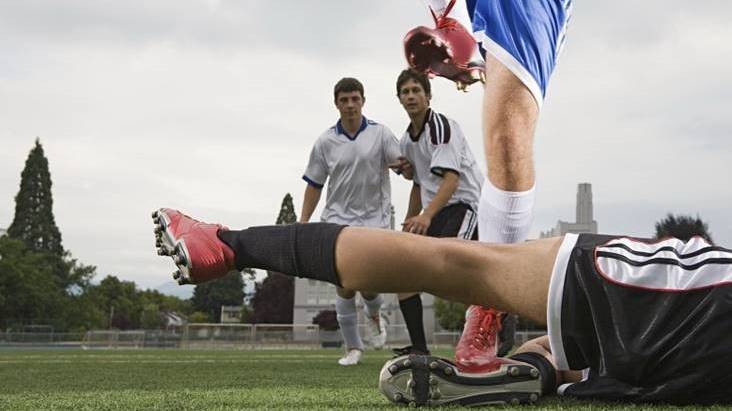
(651, 320)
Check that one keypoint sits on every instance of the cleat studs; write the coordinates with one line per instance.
(407, 363)
(176, 274)
(411, 384)
(513, 371)
(448, 371)
(393, 369)
(398, 397)
(178, 260)
(436, 394)
(433, 365)
(515, 401)
(433, 381)
(155, 214)
(482, 76)
(534, 373)
(533, 397)
(161, 251)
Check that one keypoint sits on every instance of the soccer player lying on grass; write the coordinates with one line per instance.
(645, 321)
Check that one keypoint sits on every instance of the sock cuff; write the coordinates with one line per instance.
(373, 306)
(345, 306)
(507, 201)
(415, 299)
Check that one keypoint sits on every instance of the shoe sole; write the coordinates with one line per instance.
(419, 380)
(167, 245)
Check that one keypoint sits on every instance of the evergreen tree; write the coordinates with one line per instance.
(287, 211)
(274, 297)
(682, 227)
(33, 222)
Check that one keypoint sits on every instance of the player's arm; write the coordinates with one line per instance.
(309, 202)
(420, 223)
(415, 202)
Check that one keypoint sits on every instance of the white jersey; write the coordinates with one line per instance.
(359, 191)
(441, 146)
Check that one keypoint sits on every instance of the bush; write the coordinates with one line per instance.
(326, 320)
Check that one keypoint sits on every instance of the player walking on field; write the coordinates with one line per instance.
(353, 157)
(445, 190)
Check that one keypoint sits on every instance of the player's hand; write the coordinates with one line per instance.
(417, 224)
(403, 167)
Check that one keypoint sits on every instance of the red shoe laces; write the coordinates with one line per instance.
(484, 333)
(444, 22)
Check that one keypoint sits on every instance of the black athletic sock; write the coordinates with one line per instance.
(412, 311)
(299, 250)
(546, 370)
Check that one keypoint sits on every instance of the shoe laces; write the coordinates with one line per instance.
(483, 334)
(442, 21)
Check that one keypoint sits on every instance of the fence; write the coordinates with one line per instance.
(219, 336)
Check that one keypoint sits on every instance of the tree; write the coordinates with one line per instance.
(274, 297)
(28, 292)
(210, 296)
(683, 227)
(33, 222)
(287, 211)
(450, 315)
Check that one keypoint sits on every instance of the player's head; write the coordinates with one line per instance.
(349, 98)
(414, 91)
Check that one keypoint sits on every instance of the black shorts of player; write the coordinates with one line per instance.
(456, 220)
(642, 343)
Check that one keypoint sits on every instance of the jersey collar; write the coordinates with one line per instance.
(415, 137)
(341, 130)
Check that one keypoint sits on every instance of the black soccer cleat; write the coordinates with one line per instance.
(423, 380)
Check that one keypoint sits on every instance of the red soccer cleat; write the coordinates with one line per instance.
(445, 51)
(477, 350)
(194, 246)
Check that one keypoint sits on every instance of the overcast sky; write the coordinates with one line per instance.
(212, 107)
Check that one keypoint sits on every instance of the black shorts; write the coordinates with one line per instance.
(651, 321)
(456, 220)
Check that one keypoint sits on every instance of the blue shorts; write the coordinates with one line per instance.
(524, 35)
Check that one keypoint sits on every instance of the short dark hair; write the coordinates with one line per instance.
(410, 74)
(346, 85)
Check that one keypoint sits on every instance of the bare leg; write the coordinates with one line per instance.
(510, 277)
(541, 346)
(509, 120)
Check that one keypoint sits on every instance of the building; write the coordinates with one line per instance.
(584, 216)
(312, 296)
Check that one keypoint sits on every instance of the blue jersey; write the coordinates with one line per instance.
(526, 36)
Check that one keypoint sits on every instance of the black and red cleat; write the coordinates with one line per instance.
(479, 345)
(194, 246)
(445, 51)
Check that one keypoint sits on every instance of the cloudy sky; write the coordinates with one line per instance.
(212, 106)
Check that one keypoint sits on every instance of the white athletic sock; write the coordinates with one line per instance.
(372, 307)
(504, 216)
(348, 321)
(458, 12)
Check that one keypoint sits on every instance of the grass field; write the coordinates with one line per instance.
(203, 380)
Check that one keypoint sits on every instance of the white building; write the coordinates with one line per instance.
(313, 296)
(584, 216)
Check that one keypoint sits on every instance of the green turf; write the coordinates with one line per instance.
(204, 380)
